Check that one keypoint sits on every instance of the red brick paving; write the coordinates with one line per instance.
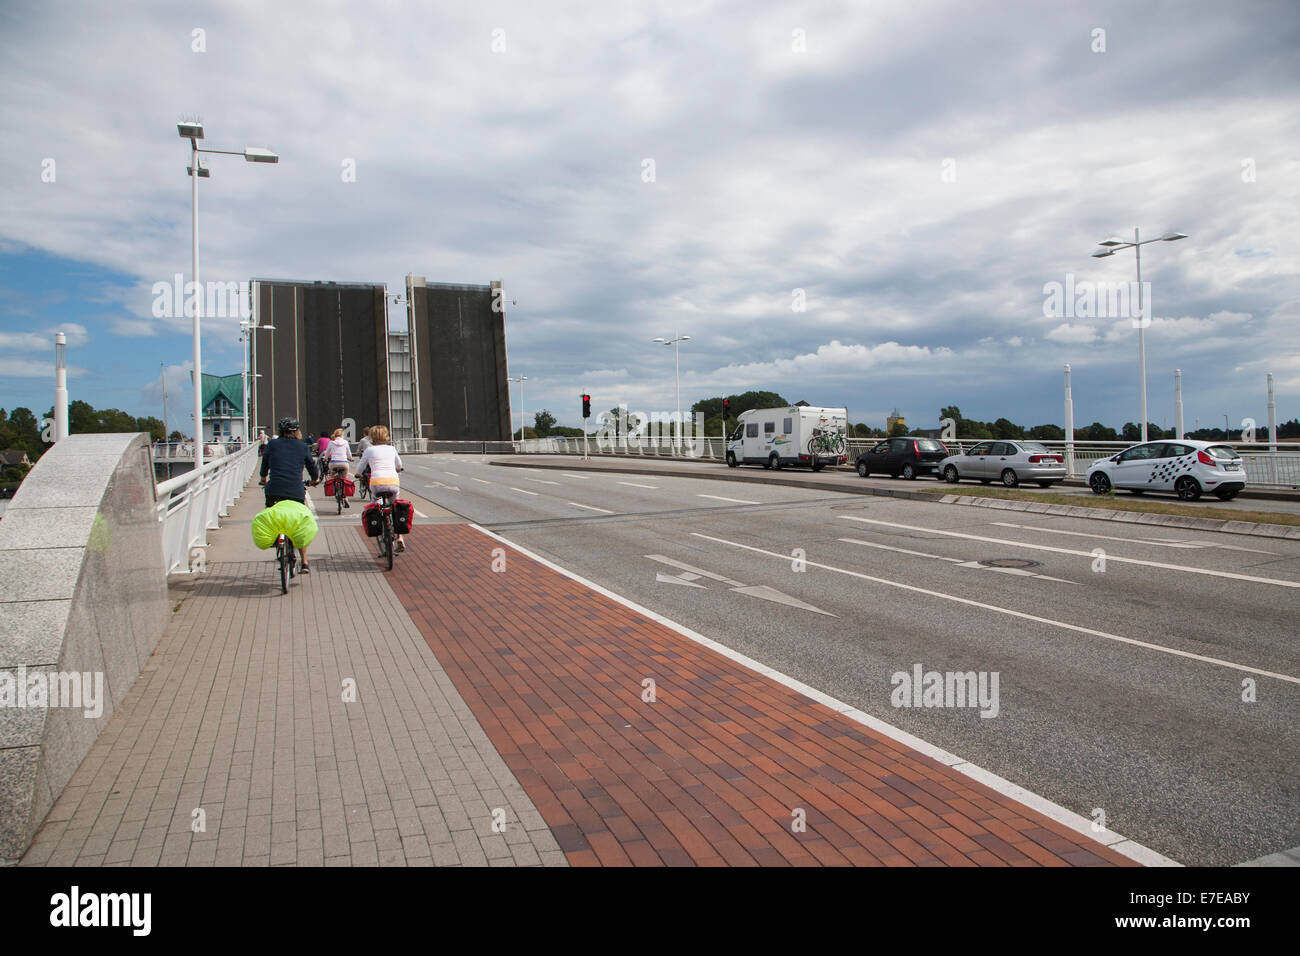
(712, 772)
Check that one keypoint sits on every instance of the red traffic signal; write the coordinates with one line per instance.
(726, 408)
(586, 406)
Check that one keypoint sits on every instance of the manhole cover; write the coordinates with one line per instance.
(1010, 563)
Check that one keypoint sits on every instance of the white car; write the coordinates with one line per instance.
(1186, 467)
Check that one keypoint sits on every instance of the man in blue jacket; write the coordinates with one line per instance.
(283, 462)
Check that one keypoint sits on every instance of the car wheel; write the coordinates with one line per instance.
(1099, 484)
(775, 462)
(950, 475)
(1009, 478)
(909, 472)
(1188, 488)
(1226, 495)
(863, 470)
(1045, 484)
(731, 460)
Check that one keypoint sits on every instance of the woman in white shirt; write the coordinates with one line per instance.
(384, 463)
(339, 454)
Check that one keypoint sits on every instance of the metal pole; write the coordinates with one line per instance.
(585, 452)
(1178, 403)
(1069, 426)
(198, 308)
(60, 386)
(1272, 418)
(1142, 339)
(162, 367)
(678, 373)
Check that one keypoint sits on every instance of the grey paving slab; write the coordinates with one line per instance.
(244, 713)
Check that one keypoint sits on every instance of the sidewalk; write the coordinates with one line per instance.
(240, 714)
(502, 717)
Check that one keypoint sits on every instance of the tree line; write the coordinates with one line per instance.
(21, 430)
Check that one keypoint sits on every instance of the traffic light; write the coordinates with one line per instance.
(726, 409)
(586, 406)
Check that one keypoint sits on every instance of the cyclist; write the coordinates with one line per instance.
(383, 463)
(339, 455)
(283, 461)
(363, 480)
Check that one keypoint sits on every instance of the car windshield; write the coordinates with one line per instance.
(1223, 451)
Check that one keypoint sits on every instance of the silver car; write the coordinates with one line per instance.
(1009, 462)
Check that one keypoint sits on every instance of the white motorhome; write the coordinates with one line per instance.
(796, 435)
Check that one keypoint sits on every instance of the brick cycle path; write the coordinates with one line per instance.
(715, 771)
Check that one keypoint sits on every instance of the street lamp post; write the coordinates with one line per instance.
(521, 379)
(247, 329)
(678, 364)
(1110, 247)
(193, 131)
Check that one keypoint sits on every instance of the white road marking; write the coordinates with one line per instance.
(699, 571)
(1079, 824)
(1008, 611)
(772, 594)
(1023, 572)
(885, 547)
(542, 481)
(523, 492)
(452, 473)
(1084, 554)
(633, 484)
(420, 514)
(1157, 542)
(683, 578)
(579, 477)
(591, 508)
(739, 501)
(481, 481)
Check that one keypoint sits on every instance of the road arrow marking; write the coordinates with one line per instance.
(591, 508)
(772, 594)
(699, 572)
(679, 579)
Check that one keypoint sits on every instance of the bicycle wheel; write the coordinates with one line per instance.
(388, 539)
(283, 553)
(338, 494)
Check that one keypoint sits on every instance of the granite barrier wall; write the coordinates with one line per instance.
(81, 593)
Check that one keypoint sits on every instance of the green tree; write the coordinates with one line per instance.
(1096, 432)
(153, 426)
(544, 423)
(1004, 428)
(1047, 433)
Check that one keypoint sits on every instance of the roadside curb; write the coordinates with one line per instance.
(1255, 529)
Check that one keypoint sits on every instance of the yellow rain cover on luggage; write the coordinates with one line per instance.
(290, 518)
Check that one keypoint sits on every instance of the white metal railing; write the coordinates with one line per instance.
(1264, 468)
(164, 451)
(430, 446)
(190, 506)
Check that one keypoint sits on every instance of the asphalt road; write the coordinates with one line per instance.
(1123, 652)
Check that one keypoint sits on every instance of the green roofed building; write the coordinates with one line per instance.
(223, 407)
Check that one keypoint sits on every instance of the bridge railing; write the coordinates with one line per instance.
(189, 506)
(1264, 468)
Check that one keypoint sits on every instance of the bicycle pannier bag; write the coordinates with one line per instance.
(373, 520)
(402, 514)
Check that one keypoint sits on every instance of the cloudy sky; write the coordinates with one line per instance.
(849, 203)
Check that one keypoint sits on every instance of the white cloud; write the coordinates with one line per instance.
(1072, 334)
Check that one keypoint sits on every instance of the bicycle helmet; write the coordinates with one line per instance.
(287, 425)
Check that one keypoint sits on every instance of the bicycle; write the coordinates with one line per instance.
(386, 536)
(287, 558)
(363, 487)
(340, 495)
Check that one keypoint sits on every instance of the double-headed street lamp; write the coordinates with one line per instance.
(193, 131)
(1110, 247)
(678, 363)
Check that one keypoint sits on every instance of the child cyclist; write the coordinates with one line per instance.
(383, 463)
